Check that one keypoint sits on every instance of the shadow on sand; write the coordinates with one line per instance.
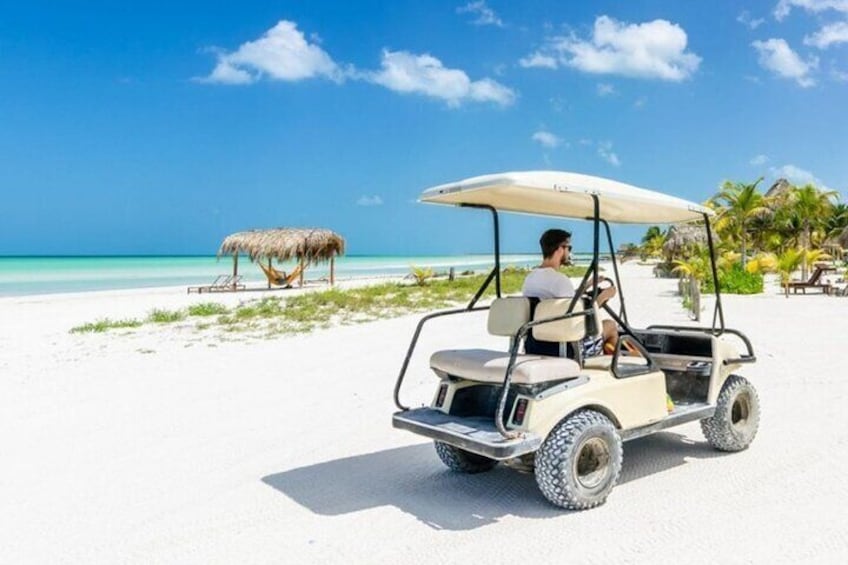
(413, 480)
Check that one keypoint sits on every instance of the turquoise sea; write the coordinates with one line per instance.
(45, 275)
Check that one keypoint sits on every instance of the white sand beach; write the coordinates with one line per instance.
(162, 445)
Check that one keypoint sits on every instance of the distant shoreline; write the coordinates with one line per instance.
(39, 275)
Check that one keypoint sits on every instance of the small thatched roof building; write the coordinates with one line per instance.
(684, 236)
(307, 245)
(842, 239)
(780, 188)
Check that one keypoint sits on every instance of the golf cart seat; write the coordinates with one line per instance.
(506, 316)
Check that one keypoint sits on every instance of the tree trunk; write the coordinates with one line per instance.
(695, 296)
(806, 244)
(744, 247)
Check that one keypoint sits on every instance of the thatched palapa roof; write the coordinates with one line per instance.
(683, 236)
(842, 239)
(780, 188)
(314, 245)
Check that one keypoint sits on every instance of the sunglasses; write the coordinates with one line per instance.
(566, 246)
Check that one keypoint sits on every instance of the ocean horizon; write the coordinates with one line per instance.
(51, 274)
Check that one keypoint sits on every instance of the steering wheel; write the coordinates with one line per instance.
(601, 281)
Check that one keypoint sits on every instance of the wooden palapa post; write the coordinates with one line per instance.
(332, 270)
(301, 271)
(235, 268)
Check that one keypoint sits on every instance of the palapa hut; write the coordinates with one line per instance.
(778, 190)
(307, 245)
(682, 237)
(836, 246)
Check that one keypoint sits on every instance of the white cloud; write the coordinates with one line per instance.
(606, 153)
(546, 139)
(369, 201)
(282, 53)
(745, 18)
(538, 60)
(797, 176)
(778, 57)
(424, 74)
(485, 15)
(605, 89)
(785, 6)
(654, 50)
(838, 75)
(558, 104)
(828, 35)
(759, 160)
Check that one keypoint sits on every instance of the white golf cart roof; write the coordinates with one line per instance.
(555, 193)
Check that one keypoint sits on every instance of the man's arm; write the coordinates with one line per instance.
(606, 293)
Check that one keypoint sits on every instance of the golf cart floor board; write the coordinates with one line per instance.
(474, 434)
(681, 414)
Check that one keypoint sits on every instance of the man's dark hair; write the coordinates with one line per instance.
(551, 240)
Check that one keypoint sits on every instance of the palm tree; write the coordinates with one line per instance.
(837, 220)
(787, 263)
(811, 207)
(653, 241)
(738, 205)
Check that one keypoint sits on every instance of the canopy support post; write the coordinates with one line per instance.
(497, 269)
(332, 271)
(269, 270)
(300, 282)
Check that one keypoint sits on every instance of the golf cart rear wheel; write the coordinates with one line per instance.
(579, 462)
(737, 416)
(463, 461)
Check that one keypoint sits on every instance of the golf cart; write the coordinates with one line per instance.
(566, 417)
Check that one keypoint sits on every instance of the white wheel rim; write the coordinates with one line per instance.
(592, 464)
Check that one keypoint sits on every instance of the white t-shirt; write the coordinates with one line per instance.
(546, 282)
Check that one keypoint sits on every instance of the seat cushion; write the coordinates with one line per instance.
(489, 366)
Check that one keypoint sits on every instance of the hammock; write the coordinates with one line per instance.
(280, 278)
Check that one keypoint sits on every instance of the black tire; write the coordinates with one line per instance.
(580, 460)
(737, 417)
(463, 461)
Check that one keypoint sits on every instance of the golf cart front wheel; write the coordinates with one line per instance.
(737, 416)
(579, 462)
(457, 459)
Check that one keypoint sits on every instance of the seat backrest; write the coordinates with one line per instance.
(569, 329)
(507, 315)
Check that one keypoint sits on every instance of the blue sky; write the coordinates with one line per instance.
(154, 127)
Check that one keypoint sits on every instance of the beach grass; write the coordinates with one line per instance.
(160, 316)
(207, 309)
(274, 315)
(105, 324)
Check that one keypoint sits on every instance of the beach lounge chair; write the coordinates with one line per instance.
(814, 281)
(280, 278)
(222, 283)
(219, 280)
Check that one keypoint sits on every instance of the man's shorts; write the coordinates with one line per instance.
(592, 345)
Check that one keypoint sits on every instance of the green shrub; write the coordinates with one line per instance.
(735, 280)
(158, 316)
(421, 274)
(207, 309)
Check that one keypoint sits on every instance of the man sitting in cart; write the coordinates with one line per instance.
(546, 281)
